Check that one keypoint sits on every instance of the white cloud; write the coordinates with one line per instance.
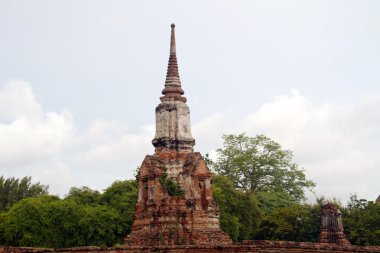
(17, 100)
(28, 133)
(110, 142)
(208, 131)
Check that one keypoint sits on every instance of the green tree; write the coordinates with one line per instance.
(271, 200)
(25, 224)
(240, 215)
(361, 221)
(85, 217)
(61, 219)
(51, 222)
(13, 190)
(84, 195)
(295, 223)
(122, 196)
(101, 226)
(259, 164)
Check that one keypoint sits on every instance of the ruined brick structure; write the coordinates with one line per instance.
(175, 204)
(331, 226)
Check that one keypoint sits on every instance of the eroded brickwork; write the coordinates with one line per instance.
(192, 218)
(331, 226)
(248, 246)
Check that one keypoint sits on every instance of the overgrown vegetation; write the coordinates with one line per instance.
(240, 214)
(260, 165)
(13, 190)
(271, 208)
(170, 186)
(361, 219)
(83, 217)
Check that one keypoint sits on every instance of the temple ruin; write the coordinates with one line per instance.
(331, 226)
(175, 204)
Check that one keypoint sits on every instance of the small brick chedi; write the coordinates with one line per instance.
(331, 226)
(175, 204)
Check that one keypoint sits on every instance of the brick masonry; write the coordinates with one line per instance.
(247, 246)
(192, 218)
(331, 226)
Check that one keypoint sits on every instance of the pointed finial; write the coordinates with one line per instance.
(172, 40)
(173, 88)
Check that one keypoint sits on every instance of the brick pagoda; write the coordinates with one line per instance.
(331, 226)
(175, 204)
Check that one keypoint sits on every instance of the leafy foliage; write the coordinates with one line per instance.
(101, 226)
(259, 190)
(13, 190)
(84, 217)
(83, 195)
(240, 215)
(295, 223)
(32, 222)
(171, 187)
(258, 164)
(272, 200)
(121, 196)
(361, 219)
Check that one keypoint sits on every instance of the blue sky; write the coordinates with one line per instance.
(79, 81)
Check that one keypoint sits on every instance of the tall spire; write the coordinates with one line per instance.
(172, 40)
(173, 88)
(173, 131)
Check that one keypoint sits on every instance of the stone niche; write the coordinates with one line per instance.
(190, 217)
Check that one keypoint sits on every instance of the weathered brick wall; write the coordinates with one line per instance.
(247, 246)
(161, 219)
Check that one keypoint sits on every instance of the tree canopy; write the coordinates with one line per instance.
(259, 164)
(299, 222)
(361, 221)
(85, 217)
(13, 190)
(83, 195)
(240, 214)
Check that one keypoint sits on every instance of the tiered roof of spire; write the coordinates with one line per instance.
(173, 88)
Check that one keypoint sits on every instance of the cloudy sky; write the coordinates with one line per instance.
(79, 81)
